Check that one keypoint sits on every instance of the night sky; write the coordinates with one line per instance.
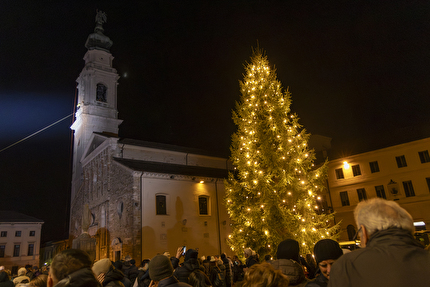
(359, 73)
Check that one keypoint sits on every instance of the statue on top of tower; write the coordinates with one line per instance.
(98, 40)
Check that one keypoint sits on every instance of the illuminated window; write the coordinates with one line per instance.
(361, 192)
(339, 173)
(203, 205)
(161, 205)
(374, 167)
(380, 191)
(356, 170)
(424, 156)
(401, 161)
(409, 189)
(344, 198)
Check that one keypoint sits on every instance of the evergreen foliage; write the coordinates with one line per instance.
(273, 193)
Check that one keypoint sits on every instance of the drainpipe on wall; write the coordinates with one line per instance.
(217, 217)
(141, 213)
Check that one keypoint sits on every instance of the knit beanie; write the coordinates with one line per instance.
(191, 253)
(326, 249)
(160, 268)
(22, 271)
(288, 249)
(102, 266)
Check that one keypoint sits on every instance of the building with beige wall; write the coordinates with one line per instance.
(19, 240)
(400, 173)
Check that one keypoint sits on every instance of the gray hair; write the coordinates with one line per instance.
(380, 214)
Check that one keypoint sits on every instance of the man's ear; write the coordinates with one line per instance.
(364, 236)
(50, 282)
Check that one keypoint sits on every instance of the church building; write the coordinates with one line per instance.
(138, 198)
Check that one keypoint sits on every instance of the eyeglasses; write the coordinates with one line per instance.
(356, 234)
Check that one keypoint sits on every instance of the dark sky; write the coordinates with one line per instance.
(358, 73)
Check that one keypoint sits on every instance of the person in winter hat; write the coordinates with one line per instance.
(22, 277)
(326, 252)
(107, 274)
(161, 273)
(287, 261)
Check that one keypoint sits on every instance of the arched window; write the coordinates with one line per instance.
(204, 205)
(101, 93)
(160, 205)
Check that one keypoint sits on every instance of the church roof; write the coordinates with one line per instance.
(7, 216)
(161, 167)
(98, 40)
(163, 146)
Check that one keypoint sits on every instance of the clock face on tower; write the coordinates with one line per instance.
(101, 93)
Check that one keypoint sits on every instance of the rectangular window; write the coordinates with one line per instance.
(344, 198)
(203, 205)
(30, 249)
(16, 250)
(2, 249)
(356, 170)
(424, 156)
(161, 205)
(32, 233)
(17, 233)
(374, 167)
(380, 191)
(339, 173)
(401, 161)
(428, 182)
(3, 234)
(361, 192)
(409, 189)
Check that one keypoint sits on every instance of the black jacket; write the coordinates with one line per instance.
(172, 282)
(81, 278)
(320, 281)
(113, 278)
(392, 258)
(251, 260)
(130, 271)
(292, 269)
(4, 280)
(182, 272)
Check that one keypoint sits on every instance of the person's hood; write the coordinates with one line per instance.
(191, 264)
(113, 275)
(81, 278)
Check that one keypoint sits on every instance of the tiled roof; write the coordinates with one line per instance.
(166, 147)
(13, 216)
(169, 168)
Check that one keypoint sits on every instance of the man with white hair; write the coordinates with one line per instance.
(390, 256)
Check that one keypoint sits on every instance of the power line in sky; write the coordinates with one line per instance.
(33, 134)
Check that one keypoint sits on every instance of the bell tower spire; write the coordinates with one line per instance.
(97, 97)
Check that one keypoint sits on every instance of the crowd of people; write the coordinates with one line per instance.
(390, 256)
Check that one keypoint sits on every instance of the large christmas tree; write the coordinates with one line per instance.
(273, 193)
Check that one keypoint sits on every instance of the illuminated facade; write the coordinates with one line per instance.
(19, 240)
(143, 198)
(400, 173)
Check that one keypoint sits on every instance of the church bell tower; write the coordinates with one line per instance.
(97, 98)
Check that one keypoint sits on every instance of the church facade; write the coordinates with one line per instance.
(143, 198)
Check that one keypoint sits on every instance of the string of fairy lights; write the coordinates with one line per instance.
(275, 189)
